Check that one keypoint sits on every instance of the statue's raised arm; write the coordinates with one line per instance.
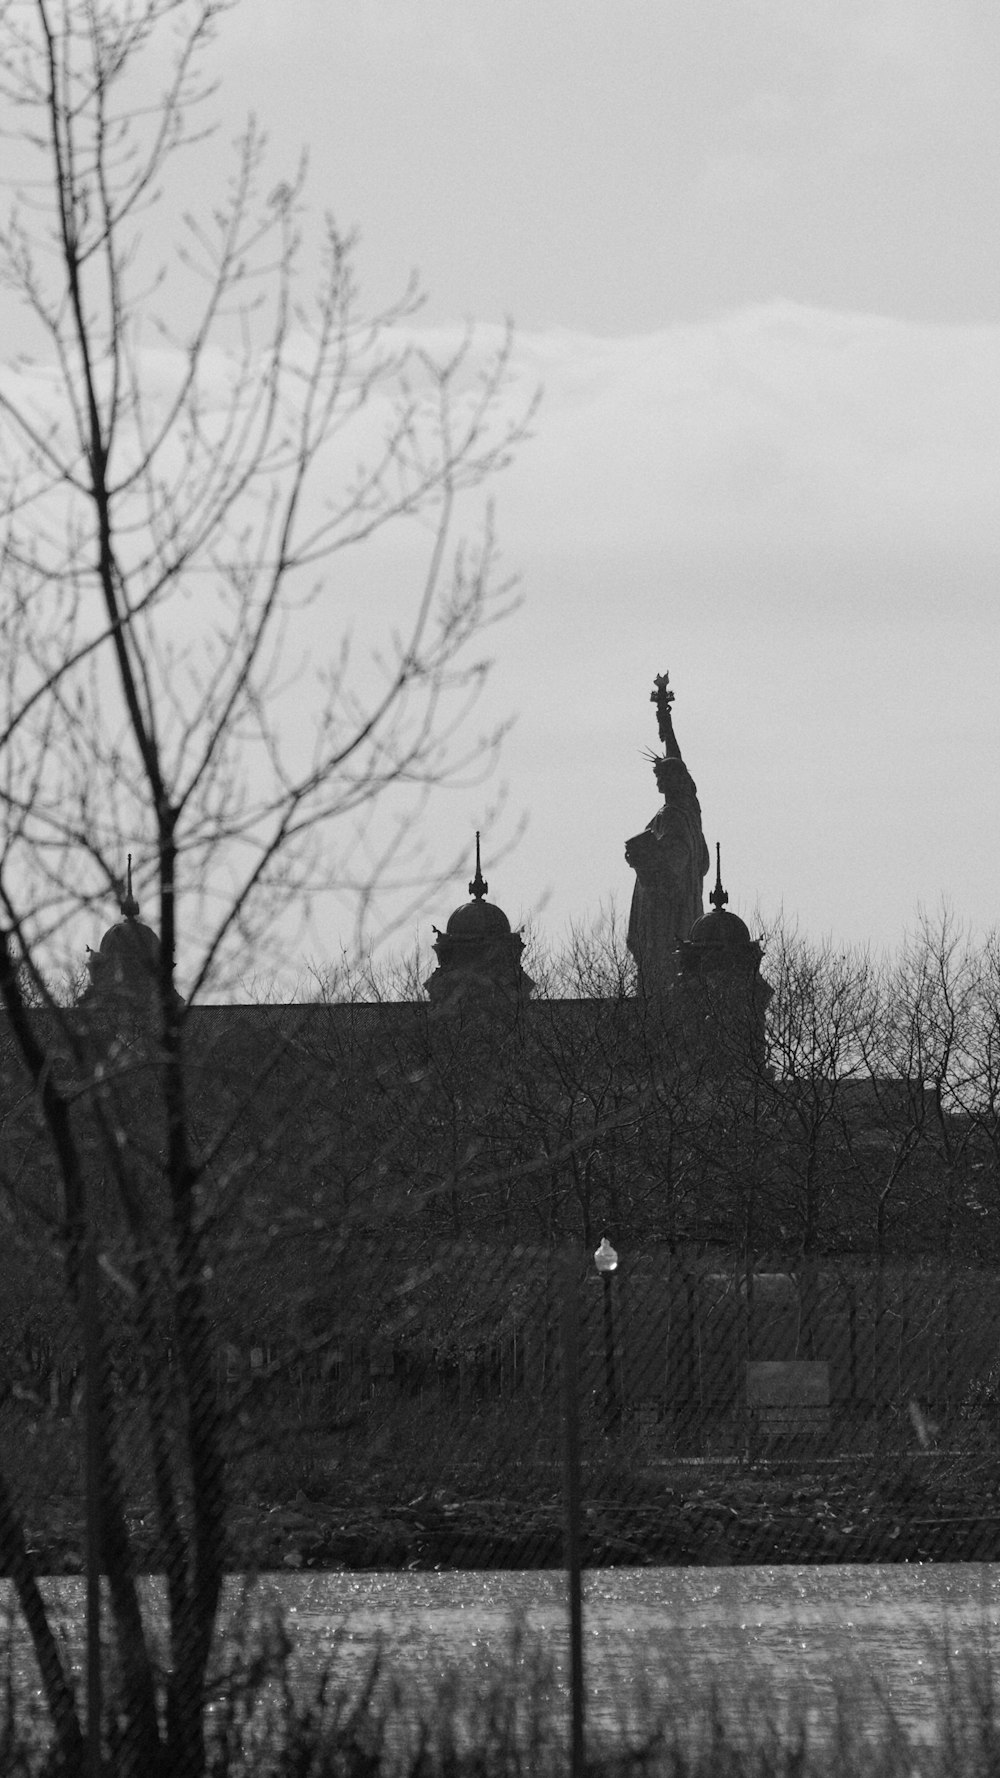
(663, 697)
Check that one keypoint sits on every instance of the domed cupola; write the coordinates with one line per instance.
(723, 995)
(477, 949)
(719, 939)
(127, 962)
(719, 928)
(478, 918)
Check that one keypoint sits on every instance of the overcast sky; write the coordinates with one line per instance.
(751, 250)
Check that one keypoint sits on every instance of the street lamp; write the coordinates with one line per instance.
(606, 1261)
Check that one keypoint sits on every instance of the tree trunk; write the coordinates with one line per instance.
(59, 1697)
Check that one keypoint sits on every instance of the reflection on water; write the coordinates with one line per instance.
(653, 1637)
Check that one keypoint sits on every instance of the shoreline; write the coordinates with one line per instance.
(746, 1524)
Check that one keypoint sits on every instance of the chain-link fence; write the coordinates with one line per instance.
(502, 1406)
(726, 1414)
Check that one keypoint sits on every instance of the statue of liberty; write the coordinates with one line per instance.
(670, 859)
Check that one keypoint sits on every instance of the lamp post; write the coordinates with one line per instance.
(606, 1261)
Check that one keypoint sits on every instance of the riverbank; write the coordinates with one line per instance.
(706, 1516)
(728, 1522)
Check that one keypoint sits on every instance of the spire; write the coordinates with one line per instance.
(479, 886)
(129, 905)
(718, 897)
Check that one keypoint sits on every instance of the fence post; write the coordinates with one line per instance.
(571, 1457)
(94, 1479)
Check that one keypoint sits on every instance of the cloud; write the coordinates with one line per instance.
(779, 427)
(845, 87)
(438, 37)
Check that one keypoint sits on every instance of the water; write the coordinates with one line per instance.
(656, 1639)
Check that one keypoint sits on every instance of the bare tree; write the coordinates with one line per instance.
(978, 1091)
(938, 1027)
(197, 427)
(818, 1017)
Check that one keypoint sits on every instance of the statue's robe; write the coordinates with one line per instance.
(670, 859)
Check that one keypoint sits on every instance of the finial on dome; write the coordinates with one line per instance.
(479, 885)
(128, 904)
(718, 897)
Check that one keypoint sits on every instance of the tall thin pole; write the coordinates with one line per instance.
(611, 1414)
(92, 1365)
(571, 1455)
